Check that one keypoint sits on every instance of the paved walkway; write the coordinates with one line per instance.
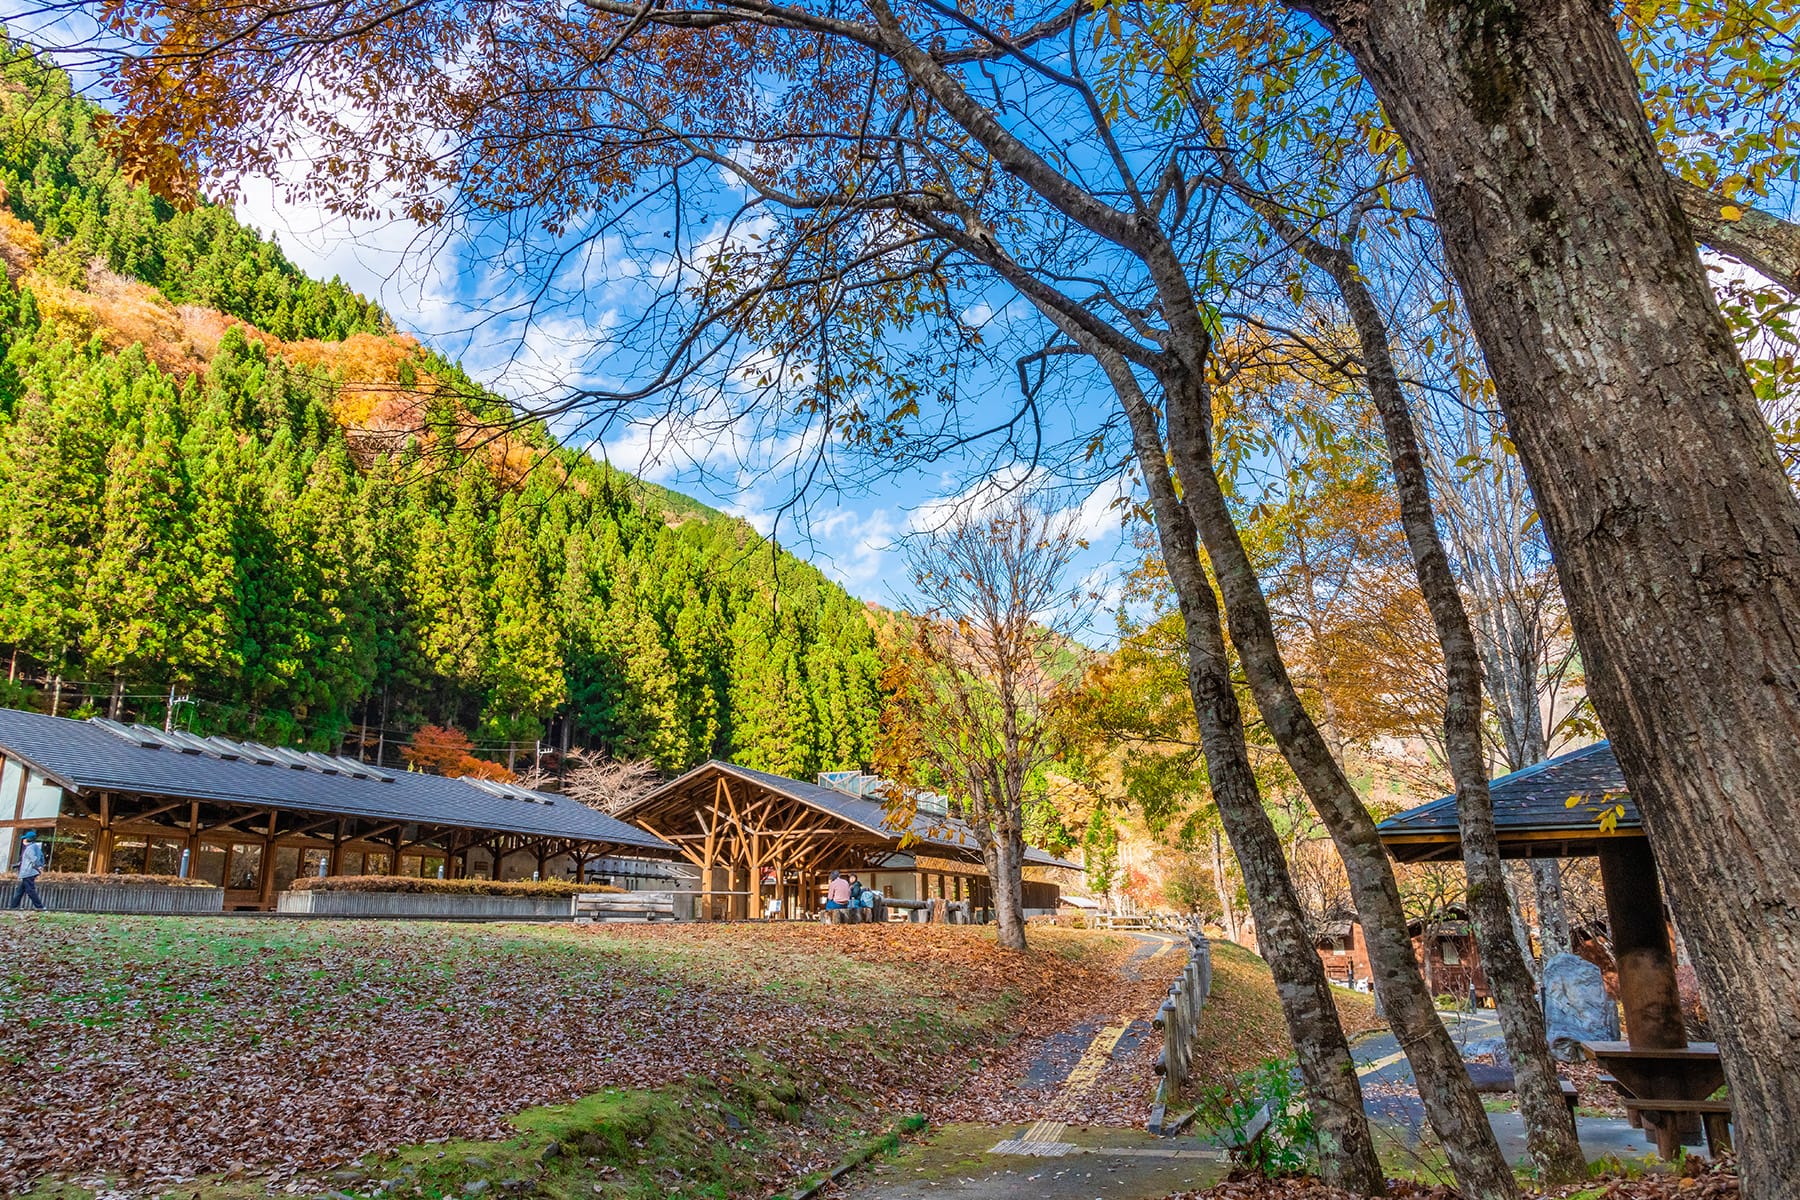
(1050, 1160)
(1392, 1098)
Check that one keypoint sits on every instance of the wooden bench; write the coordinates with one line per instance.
(1570, 1096)
(602, 908)
(1715, 1117)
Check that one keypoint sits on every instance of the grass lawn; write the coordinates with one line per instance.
(1242, 1026)
(217, 1057)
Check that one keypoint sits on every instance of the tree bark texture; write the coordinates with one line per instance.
(1449, 1097)
(1676, 534)
(1347, 1149)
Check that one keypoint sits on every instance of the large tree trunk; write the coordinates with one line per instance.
(1677, 536)
(1449, 1097)
(1347, 1150)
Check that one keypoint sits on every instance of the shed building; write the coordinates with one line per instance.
(111, 797)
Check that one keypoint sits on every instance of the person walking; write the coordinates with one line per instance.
(31, 865)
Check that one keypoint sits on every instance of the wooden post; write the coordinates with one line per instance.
(738, 906)
(266, 890)
(337, 850)
(193, 837)
(100, 858)
(1634, 908)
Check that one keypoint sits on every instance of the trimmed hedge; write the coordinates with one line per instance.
(447, 887)
(11, 878)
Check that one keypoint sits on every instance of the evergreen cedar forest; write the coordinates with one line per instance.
(229, 480)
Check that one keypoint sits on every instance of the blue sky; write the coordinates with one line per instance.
(849, 523)
(459, 292)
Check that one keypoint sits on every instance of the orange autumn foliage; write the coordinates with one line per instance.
(447, 751)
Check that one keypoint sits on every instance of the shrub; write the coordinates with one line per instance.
(447, 887)
(1288, 1143)
(121, 880)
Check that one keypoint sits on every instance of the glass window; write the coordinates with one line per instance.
(1452, 957)
(209, 865)
(128, 856)
(350, 862)
(69, 851)
(315, 862)
(375, 863)
(246, 866)
(287, 865)
(409, 865)
(163, 857)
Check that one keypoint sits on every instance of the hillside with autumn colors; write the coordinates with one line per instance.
(242, 489)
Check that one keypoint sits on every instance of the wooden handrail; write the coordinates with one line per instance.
(1178, 1019)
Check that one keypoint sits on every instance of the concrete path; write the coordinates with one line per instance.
(1392, 1098)
(959, 1163)
(1049, 1160)
(1052, 1161)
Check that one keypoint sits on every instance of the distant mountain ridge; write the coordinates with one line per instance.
(221, 478)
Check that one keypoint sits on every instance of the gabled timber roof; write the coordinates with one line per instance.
(869, 816)
(93, 756)
(1531, 810)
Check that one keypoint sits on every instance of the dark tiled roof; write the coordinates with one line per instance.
(86, 757)
(868, 815)
(1536, 800)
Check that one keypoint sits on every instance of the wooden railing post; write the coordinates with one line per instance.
(1178, 1019)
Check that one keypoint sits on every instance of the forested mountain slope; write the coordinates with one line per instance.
(221, 478)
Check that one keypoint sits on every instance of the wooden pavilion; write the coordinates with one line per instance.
(765, 844)
(250, 818)
(1534, 817)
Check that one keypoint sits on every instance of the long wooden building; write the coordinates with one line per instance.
(765, 844)
(110, 797)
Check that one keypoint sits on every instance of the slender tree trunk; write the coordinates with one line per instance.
(381, 733)
(116, 704)
(1347, 1156)
(1004, 858)
(1445, 1089)
(1677, 535)
(1550, 1128)
(1553, 915)
(1227, 901)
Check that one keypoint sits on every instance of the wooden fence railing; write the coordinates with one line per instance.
(1179, 1020)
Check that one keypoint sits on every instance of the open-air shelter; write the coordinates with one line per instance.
(765, 844)
(110, 797)
(1535, 819)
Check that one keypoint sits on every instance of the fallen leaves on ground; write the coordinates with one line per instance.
(158, 1049)
(1697, 1180)
(1258, 1188)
